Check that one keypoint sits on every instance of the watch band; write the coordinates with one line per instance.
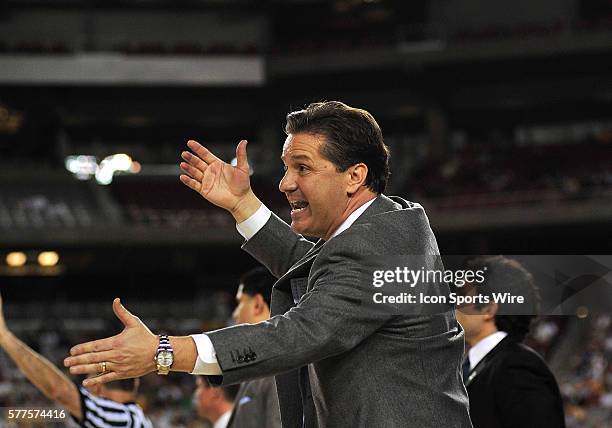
(164, 345)
(164, 342)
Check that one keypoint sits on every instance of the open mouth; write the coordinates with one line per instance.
(297, 206)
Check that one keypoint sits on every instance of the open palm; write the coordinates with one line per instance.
(217, 181)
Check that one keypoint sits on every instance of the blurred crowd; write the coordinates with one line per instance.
(494, 175)
(587, 387)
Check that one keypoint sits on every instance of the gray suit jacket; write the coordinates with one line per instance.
(256, 405)
(337, 363)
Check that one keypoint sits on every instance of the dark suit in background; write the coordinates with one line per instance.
(512, 387)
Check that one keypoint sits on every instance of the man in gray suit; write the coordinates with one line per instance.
(338, 361)
(256, 404)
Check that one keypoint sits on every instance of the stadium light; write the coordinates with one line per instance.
(136, 167)
(48, 258)
(582, 312)
(16, 259)
(84, 167)
(112, 164)
(120, 162)
(104, 173)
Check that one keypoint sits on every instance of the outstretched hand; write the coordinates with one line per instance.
(220, 183)
(127, 355)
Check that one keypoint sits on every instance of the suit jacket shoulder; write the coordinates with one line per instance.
(516, 355)
(383, 228)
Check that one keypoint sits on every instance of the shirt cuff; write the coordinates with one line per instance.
(251, 225)
(206, 362)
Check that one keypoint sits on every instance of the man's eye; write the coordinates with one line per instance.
(302, 168)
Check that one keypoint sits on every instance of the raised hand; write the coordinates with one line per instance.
(226, 186)
(126, 355)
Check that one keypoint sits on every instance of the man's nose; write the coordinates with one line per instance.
(287, 183)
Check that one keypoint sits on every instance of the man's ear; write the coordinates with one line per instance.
(358, 175)
(490, 311)
(217, 393)
(260, 304)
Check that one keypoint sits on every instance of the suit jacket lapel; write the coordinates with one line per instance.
(309, 256)
(284, 295)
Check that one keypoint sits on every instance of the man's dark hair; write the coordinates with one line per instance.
(229, 391)
(129, 385)
(258, 281)
(352, 136)
(507, 275)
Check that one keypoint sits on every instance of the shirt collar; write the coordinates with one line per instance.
(352, 217)
(482, 348)
(223, 420)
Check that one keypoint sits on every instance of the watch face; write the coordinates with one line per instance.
(165, 358)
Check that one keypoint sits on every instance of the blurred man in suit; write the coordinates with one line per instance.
(214, 404)
(509, 385)
(256, 404)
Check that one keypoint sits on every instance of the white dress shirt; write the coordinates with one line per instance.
(206, 363)
(253, 224)
(482, 348)
(223, 420)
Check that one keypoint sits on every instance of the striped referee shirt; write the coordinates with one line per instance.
(100, 412)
